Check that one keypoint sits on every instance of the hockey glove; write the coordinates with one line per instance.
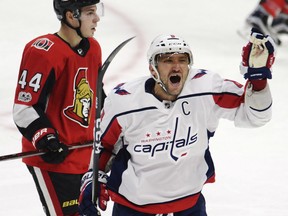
(258, 56)
(46, 140)
(86, 206)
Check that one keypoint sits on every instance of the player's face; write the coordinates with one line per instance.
(89, 19)
(86, 102)
(173, 70)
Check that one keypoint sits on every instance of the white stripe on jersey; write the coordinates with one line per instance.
(44, 189)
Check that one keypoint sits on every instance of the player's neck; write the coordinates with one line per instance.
(163, 95)
(69, 35)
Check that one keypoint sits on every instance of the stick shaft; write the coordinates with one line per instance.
(97, 135)
(38, 153)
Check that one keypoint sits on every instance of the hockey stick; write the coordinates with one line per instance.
(38, 153)
(99, 95)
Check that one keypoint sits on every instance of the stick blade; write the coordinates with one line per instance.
(112, 55)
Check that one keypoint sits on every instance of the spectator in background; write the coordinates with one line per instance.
(271, 17)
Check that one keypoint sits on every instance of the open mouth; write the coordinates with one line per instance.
(175, 79)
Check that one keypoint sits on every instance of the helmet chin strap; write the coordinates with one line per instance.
(158, 80)
(78, 31)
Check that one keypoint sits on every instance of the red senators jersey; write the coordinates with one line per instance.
(56, 89)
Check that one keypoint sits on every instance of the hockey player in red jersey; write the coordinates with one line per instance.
(271, 17)
(156, 130)
(55, 103)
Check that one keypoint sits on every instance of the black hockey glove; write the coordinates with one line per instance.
(46, 140)
(258, 56)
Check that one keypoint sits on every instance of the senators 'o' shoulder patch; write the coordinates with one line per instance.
(43, 44)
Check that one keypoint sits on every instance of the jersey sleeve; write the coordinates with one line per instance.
(241, 104)
(35, 81)
(257, 108)
(111, 130)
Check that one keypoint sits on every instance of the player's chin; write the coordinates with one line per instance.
(88, 35)
(91, 32)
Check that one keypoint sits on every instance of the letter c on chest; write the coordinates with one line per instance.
(185, 111)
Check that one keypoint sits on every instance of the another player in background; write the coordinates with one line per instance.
(271, 17)
(156, 130)
(55, 103)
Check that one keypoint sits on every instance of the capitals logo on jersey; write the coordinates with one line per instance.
(176, 147)
(80, 110)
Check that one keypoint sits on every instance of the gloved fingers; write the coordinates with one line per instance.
(56, 146)
(102, 177)
(260, 52)
(86, 179)
(86, 206)
(262, 41)
(258, 56)
(103, 197)
(56, 157)
(270, 44)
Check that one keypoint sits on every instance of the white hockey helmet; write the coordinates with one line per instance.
(168, 44)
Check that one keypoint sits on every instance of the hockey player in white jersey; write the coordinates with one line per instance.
(156, 130)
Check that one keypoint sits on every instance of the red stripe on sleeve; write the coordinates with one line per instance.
(108, 141)
(229, 101)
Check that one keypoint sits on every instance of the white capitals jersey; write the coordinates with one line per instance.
(162, 147)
